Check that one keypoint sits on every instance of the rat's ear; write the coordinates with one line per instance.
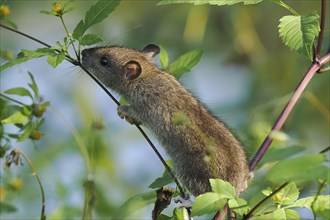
(132, 70)
(151, 50)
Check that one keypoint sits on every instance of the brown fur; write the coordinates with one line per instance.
(200, 145)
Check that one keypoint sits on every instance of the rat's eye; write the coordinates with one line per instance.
(104, 61)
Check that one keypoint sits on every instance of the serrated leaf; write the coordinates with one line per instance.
(282, 214)
(18, 91)
(15, 118)
(303, 168)
(303, 203)
(134, 204)
(288, 195)
(163, 57)
(185, 63)
(321, 206)
(90, 39)
(223, 187)
(26, 55)
(208, 203)
(210, 2)
(238, 205)
(299, 32)
(55, 59)
(98, 12)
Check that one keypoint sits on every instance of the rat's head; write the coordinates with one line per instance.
(116, 66)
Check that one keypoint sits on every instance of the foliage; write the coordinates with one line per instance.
(297, 32)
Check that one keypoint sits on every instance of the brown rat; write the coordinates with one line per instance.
(200, 145)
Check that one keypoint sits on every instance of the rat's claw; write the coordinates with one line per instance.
(123, 112)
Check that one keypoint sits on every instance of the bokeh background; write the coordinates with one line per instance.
(245, 77)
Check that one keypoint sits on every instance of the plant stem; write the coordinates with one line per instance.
(280, 3)
(43, 216)
(320, 38)
(11, 99)
(251, 213)
(70, 37)
(81, 145)
(288, 108)
(25, 35)
(319, 190)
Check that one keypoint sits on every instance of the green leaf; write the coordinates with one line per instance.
(299, 32)
(303, 203)
(306, 167)
(163, 58)
(15, 118)
(90, 39)
(161, 181)
(26, 55)
(282, 214)
(18, 91)
(178, 214)
(47, 12)
(98, 12)
(7, 208)
(276, 154)
(211, 2)
(223, 187)
(185, 63)
(134, 204)
(287, 196)
(238, 205)
(33, 85)
(28, 129)
(164, 179)
(55, 59)
(321, 206)
(9, 22)
(208, 203)
(79, 30)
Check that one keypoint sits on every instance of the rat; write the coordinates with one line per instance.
(199, 144)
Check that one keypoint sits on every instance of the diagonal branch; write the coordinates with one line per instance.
(322, 25)
(288, 108)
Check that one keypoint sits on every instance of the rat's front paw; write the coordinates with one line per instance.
(123, 112)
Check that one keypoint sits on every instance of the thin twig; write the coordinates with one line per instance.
(320, 38)
(11, 99)
(25, 35)
(288, 108)
(251, 213)
(321, 185)
(43, 216)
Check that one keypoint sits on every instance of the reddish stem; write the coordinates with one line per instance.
(288, 108)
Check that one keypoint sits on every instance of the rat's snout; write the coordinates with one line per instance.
(85, 56)
(84, 53)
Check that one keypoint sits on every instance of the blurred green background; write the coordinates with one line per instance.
(245, 77)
